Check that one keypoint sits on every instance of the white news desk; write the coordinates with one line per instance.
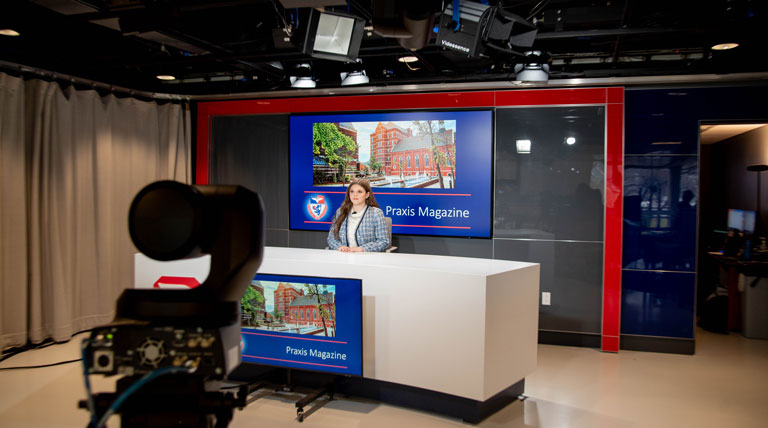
(461, 326)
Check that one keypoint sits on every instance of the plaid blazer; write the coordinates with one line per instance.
(371, 234)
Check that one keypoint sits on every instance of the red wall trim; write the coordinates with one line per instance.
(614, 198)
(612, 98)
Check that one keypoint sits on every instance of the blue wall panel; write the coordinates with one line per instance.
(660, 228)
(657, 303)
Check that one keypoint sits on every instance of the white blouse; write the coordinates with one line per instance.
(353, 220)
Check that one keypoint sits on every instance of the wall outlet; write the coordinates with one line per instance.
(545, 298)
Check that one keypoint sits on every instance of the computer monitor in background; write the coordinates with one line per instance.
(741, 220)
(302, 322)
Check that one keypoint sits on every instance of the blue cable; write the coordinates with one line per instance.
(88, 393)
(456, 14)
(135, 387)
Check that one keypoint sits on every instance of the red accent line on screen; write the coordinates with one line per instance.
(437, 227)
(296, 362)
(393, 193)
(317, 222)
(293, 337)
(426, 194)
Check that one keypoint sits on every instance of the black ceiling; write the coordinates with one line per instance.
(237, 46)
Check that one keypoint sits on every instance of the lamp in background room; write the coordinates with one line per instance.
(331, 35)
(303, 77)
(535, 68)
(355, 76)
(758, 220)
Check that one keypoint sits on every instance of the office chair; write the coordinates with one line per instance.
(391, 248)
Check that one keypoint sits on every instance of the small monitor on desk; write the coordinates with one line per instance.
(302, 322)
(741, 220)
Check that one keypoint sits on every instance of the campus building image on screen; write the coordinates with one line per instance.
(430, 171)
(310, 323)
(418, 154)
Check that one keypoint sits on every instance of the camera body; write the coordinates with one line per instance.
(173, 347)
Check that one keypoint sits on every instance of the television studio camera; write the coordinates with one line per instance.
(174, 347)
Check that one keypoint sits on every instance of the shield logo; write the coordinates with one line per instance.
(317, 206)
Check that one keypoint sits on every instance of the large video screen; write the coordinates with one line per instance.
(430, 171)
(310, 323)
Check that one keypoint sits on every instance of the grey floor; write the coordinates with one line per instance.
(724, 385)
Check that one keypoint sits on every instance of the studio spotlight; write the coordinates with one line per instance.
(534, 69)
(332, 35)
(474, 26)
(356, 75)
(303, 77)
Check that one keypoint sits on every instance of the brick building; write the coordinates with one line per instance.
(383, 139)
(348, 129)
(303, 310)
(327, 172)
(256, 285)
(413, 155)
(284, 295)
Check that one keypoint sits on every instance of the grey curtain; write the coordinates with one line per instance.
(71, 162)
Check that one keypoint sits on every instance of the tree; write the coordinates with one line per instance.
(252, 302)
(335, 147)
(375, 165)
(431, 128)
(323, 304)
(277, 315)
(452, 162)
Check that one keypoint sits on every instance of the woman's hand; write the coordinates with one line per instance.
(345, 249)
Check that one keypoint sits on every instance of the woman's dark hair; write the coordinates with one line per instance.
(347, 205)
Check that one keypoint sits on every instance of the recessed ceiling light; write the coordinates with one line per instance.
(523, 146)
(725, 46)
(570, 141)
(408, 58)
(8, 32)
(165, 77)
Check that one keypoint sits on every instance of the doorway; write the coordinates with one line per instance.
(732, 218)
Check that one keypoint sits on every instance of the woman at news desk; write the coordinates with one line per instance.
(359, 224)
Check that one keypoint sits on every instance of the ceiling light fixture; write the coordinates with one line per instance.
(468, 27)
(535, 69)
(303, 78)
(332, 35)
(724, 46)
(570, 141)
(408, 58)
(356, 75)
(354, 78)
(523, 146)
(9, 32)
(166, 77)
